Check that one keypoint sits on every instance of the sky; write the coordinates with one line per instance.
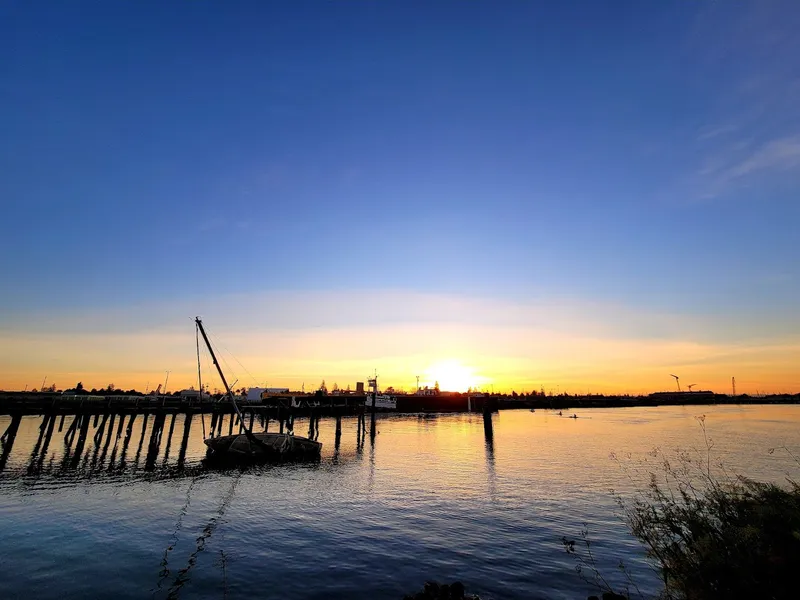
(575, 196)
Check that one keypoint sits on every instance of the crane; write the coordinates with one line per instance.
(677, 380)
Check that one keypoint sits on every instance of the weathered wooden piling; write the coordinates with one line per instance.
(84, 430)
(488, 428)
(61, 423)
(121, 425)
(37, 465)
(8, 439)
(98, 435)
(187, 425)
(169, 436)
(42, 428)
(155, 440)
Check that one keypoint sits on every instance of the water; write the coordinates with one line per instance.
(431, 498)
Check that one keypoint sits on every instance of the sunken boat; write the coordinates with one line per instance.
(248, 446)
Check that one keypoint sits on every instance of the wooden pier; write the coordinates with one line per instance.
(136, 432)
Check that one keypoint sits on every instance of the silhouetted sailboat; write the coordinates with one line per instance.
(250, 446)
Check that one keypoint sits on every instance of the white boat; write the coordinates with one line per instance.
(383, 402)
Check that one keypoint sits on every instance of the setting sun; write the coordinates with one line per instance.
(452, 376)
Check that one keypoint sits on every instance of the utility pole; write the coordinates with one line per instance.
(733, 385)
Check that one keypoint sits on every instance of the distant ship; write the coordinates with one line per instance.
(382, 401)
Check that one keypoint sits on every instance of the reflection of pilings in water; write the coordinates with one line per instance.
(183, 575)
(81, 441)
(96, 419)
(338, 440)
(61, 424)
(490, 471)
(187, 425)
(8, 438)
(169, 436)
(155, 441)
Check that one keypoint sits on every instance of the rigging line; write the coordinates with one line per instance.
(255, 381)
(165, 572)
(182, 578)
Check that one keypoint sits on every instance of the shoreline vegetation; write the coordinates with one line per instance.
(709, 533)
(434, 401)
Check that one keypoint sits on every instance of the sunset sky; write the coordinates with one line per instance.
(575, 196)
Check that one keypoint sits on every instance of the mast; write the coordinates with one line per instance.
(199, 377)
(221, 375)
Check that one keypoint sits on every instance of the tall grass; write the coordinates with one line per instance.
(712, 535)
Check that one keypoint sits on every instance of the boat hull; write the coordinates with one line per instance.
(268, 446)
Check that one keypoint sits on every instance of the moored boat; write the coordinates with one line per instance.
(249, 446)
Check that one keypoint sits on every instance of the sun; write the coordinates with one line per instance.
(452, 376)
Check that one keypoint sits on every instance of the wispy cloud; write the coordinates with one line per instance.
(776, 157)
(748, 58)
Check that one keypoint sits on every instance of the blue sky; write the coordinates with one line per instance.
(628, 154)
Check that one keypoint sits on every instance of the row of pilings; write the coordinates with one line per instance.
(91, 437)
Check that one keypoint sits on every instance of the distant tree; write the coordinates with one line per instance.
(110, 387)
(436, 386)
(514, 394)
(348, 388)
(79, 387)
(322, 387)
(34, 390)
(335, 387)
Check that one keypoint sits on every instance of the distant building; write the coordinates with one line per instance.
(359, 387)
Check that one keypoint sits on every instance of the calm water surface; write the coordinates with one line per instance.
(430, 498)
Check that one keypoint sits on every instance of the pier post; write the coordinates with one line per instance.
(81, 441)
(187, 425)
(488, 428)
(120, 426)
(171, 429)
(8, 439)
(338, 428)
(213, 427)
(155, 440)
